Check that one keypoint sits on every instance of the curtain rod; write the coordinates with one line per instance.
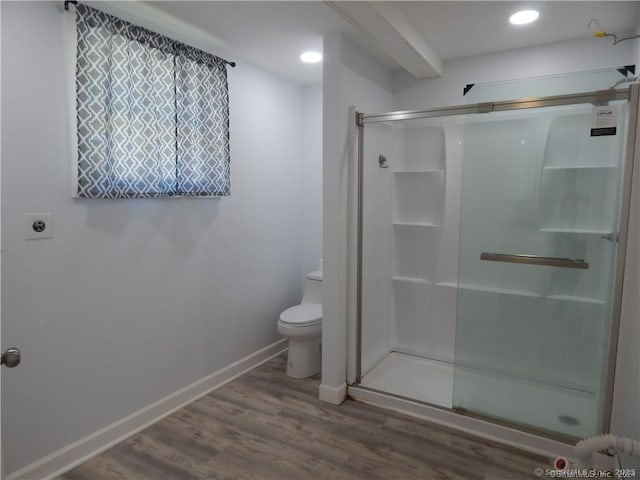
(75, 2)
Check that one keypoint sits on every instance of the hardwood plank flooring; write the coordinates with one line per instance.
(266, 426)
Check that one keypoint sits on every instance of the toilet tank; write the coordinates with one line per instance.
(313, 288)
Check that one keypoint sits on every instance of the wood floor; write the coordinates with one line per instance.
(266, 426)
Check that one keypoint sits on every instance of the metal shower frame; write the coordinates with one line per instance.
(632, 94)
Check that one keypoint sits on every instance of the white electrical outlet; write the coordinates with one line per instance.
(38, 226)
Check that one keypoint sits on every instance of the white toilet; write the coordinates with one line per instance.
(302, 325)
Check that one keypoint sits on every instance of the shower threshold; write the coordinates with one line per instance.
(432, 382)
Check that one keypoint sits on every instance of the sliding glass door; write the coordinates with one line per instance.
(492, 240)
(539, 223)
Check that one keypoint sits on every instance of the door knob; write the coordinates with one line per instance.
(10, 357)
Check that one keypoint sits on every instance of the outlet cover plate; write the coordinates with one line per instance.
(32, 218)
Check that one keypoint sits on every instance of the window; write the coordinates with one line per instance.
(152, 114)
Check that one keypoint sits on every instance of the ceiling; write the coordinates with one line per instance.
(269, 34)
(462, 29)
(273, 34)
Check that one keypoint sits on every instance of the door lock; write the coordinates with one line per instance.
(10, 357)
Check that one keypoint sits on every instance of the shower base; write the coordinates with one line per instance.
(413, 377)
(520, 401)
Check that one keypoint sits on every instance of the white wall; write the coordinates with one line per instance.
(350, 78)
(133, 299)
(377, 239)
(555, 59)
(311, 177)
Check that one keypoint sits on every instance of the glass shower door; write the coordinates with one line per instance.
(540, 201)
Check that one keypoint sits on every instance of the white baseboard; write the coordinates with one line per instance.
(334, 395)
(78, 452)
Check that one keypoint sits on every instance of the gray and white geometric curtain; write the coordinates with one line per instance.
(152, 113)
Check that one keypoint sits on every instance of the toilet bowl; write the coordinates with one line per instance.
(302, 325)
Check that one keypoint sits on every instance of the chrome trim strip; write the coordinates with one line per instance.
(360, 130)
(623, 232)
(554, 101)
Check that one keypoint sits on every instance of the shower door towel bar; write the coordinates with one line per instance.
(535, 260)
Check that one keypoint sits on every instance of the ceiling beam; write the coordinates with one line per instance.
(394, 33)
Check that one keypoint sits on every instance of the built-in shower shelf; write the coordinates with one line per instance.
(578, 197)
(577, 230)
(578, 167)
(566, 298)
(419, 172)
(420, 281)
(419, 147)
(416, 224)
(479, 288)
(570, 298)
(418, 196)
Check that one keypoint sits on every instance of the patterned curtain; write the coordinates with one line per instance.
(152, 113)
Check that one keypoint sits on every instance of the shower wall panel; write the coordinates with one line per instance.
(376, 330)
(425, 229)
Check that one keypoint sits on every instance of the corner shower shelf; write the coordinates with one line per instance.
(578, 197)
(447, 284)
(566, 298)
(419, 147)
(419, 172)
(577, 230)
(418, 197)
(577, 167)
(414, 244)
(570, 298)
(478, 288)
(420, 281)
(502, 291)
(416, 224)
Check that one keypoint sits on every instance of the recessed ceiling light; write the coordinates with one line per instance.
(311, 57)
(523, 17)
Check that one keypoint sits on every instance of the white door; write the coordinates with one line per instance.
(9, 358)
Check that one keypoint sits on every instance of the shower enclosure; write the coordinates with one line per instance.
(491, 242)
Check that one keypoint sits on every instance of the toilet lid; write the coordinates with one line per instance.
(303, 314)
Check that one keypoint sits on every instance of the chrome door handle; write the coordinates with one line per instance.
(11, 357)
(535, 260)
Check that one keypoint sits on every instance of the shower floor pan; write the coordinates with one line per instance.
(528, 402)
